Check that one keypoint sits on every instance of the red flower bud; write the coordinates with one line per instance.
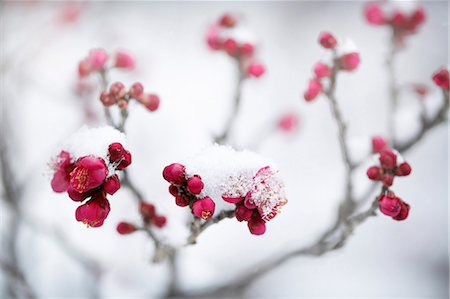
(388, 180)
(441, 78)
(404, 211)
(94, 212)
(117, 90)
(182, 200)
(321, 70)
(112, 184)
(122, 104)
(247, 49)
(97, 58)
(378, 144)
(256, 225)
(403, 169)
(399, 20)
(124, 60)
(152, 102)
(174, 190)
(159, 221)
(256, 69)
(327, 40)
(125, 228)
(374, 173)
(242, 213)
(314, 89)
(174, 174)
(204, 208)
(118, 154)
(389, 205)
(147, 210)
(195, 184)
(230, 46)
(288, 122)
(227, 20)
(89, 173)
(374, 14)
(349, 62)
(136, 90)
(213, 38)
(418, 17)
(107, 100)
(84, 68)
(388, 159)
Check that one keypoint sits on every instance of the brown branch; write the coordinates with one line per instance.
(197, 228)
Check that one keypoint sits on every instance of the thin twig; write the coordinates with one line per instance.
(197, 228)
(223, 138)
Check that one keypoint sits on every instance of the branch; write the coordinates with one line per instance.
(393, 88)
(197, 228)
(223, 138)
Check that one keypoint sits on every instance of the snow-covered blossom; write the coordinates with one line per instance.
(220, 178)
(86, 168)
(230, 35)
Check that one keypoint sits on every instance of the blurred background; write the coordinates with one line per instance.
(43, 103)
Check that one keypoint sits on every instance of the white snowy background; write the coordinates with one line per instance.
(384, 258)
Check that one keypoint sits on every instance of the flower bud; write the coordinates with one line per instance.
(159, 221)
(378, 144)
(182, 200)
(247, 49)
(374, 173)
(288, 122)
(388, 180)
(374, 14)
(204, 208)
(174, 190)
(388, 159)
(349, 62)
(256, 69)
(399, 20)
(441, 78)
(321, 70)
(97, 59)
(136, 90)
(84, 68)
(117, 90)
(213, 38)
(404, 211)
(147, 210)
(230, 46)
(152, 102)
(403, 169)
(112, 184)
(314, 89)
(256, 225)
(125, 228)
(389, 205)
(106, 100)
(227, 20)
(124, 60)
(195, 184)
(175, 174)
(242, 213)
(327, 40)
(122, 104)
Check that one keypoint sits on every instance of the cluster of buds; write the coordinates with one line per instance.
(401, 22)
(186, 191)
(228, 35)
(119, 95)
(441, 78)
(149, 218)
(390, 164)
(391, 205)
(255, 200)
(345, 58)
(90, 178)
(98, 61)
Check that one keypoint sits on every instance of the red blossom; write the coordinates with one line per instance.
(314, 89)
(321, 70)
(204, 208)
(97, 59)
(195, 184)
(89, 173)
(94, 212)
(256, 69)
(242, 213)
(112, 184)
(63, 167)
(378, 144)
(124, 60)
(159, 221)
(441, 78)
(349, 62)
(389, 205)
(256, 225)
(404, 211)
(125, 228)
(374, 14)
(327, 40)
(175, 174)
